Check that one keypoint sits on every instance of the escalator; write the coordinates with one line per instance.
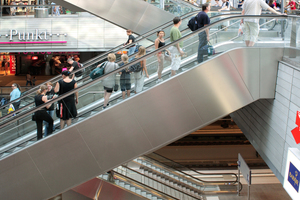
(101, 140)
(17, 129)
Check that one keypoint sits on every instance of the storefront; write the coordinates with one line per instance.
(39, 63)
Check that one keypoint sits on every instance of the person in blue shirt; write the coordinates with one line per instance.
(15, 94)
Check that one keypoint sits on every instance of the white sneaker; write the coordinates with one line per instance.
(159, 80)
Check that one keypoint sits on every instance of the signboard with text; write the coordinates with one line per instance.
(292, 173)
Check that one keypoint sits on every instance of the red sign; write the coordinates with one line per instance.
(12, 64)
(296, 131)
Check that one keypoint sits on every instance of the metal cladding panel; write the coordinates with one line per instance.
(68, 156)
(136, 15)
(250, 75)
(217, 83)
(20, 177)
(269, 59)
(114, 135)
(136, 126)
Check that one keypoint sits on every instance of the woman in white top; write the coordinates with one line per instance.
(110, 81)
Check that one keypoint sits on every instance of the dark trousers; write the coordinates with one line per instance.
(202, 42)
(16, 105)
(28, 82)
(41, 116)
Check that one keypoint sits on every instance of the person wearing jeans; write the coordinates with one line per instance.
(203, 20)
(50, 93)
(131, 39)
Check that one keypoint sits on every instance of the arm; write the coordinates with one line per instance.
(56, 89)
(207, 32)
(273, 11)
(45, 100)
(156, 47)
(225, 7)
(243, 13)
(76, 94)
(145, 68)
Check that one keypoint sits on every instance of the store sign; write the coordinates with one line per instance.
(292, 174)
(296, 131)
(294, 177)
(36, 37)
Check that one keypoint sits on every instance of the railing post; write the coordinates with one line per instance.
(293, 39)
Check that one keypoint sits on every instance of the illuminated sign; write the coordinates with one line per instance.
(294, 176)
(296, 131)
(33, 37)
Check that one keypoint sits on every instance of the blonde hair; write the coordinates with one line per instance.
(111, 57)
(141, 52)
(124, 58)
(42, 89)
(49, 83)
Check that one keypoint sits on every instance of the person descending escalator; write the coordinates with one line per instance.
(42, 115)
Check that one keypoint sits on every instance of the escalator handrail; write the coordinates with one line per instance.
(132, 63)
(104, 55)
(200, 173)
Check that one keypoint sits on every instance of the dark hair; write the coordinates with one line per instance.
(176, 20)
(66, 73)
(160, 31)
(17, 85)
(204, 6)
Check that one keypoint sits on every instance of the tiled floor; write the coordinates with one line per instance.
(260, 192)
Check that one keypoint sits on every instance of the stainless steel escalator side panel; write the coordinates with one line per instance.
(136, 15)
(139, 125)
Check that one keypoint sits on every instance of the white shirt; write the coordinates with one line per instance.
(225, 4)
(253, 7)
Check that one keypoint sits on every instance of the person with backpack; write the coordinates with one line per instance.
(15, 94)
(110, 81)
(203, 20)
(160, 42)
(75, 66)
(139, 71)
(125, 79)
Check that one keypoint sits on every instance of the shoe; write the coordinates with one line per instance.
(159, 80)
(104, 107)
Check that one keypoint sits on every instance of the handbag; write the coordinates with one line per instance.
(33, 117)
(59, 110)
(116, 87)
(59, 107)
(209, 49)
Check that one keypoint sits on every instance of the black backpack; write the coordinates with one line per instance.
(192, 24)
(136, 67)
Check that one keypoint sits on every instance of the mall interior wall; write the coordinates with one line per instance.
(268, 123)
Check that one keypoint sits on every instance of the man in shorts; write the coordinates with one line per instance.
(176, 51)
(251, 25)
